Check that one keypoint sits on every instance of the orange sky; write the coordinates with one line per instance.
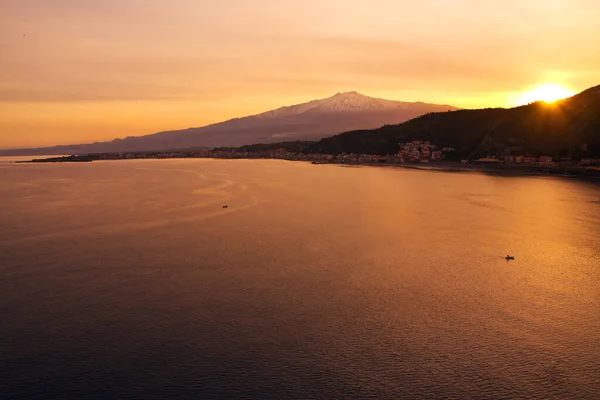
(75, 71)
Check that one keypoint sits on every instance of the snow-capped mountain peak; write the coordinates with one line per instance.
(350, 101)
(340, 102)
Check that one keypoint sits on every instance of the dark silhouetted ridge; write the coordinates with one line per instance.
(566, 128)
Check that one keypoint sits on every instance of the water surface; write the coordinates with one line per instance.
(128, 279)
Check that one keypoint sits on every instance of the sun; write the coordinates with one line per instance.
(549, 93)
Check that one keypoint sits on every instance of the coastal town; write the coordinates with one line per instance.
(415, 152)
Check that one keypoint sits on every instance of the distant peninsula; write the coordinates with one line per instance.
(72, 158)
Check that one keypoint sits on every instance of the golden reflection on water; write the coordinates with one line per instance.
(377, 275)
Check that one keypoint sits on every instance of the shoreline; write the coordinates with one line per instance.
(453, 167)
(504, 170)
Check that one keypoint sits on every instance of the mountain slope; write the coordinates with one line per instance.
(567, 128)
(309, 121)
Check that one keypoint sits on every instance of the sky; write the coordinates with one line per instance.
(79, 71)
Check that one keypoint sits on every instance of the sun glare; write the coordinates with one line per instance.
(548, 93)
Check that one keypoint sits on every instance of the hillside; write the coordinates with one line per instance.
(308, 121)
(567, 128)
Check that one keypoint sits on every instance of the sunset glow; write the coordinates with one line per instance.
(548, 93)
(84, 71)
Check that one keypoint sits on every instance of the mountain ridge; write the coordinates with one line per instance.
(565, 128)
(346, 101)
(312, 120)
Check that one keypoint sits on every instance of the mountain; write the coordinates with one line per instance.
(566, 128)
(309, 121)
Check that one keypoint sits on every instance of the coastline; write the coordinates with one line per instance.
(63, 159)
(502, 170)
(570, 171)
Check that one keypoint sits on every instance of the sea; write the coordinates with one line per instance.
(131, 280)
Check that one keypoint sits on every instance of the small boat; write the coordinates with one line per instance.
(508, 258)
(225, 206)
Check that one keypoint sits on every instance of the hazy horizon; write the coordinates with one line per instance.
(79, 72)
(229, 119)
